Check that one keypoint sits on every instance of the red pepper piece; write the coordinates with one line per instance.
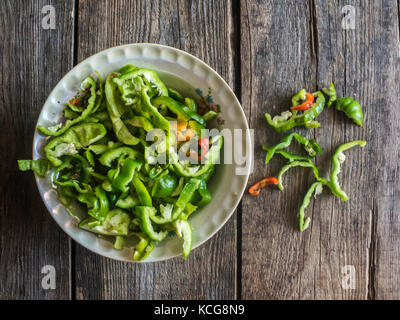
(306, 104)
(204, 144)
(254, 190)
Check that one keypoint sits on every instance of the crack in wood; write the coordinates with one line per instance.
(371, 294)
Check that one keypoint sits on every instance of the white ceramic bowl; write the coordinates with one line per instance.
(178, 70)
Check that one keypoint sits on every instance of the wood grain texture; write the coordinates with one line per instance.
(363, 232)
(205, 30)
(277, 59)
(284, 45)
(31, 66)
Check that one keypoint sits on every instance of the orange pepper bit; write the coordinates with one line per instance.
(254, 190)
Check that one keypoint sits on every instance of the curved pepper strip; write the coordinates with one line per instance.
(116, 109)
(254, 190)
(338, 158)
(205, 195)
(140, 122)
(124, 178)
(184, 230)
(182, 111)
(174, 94)
(87, 83)
(311, 146)
(127, 68)
(144, 213)
(306, 164)
(109, 157)
(315, 188)
(101, 208)
(75, 138)
(143, 248)
(351, 108)
(156, 117)
(288, 155)
(127, 202)
(288, 120)
(331, 92)
(166, 214)
(185, 197)
(143, 194)
(90, 200)
(119, 242)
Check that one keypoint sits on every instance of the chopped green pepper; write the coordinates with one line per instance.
(77, 137)
(288, 120)
(338, 158)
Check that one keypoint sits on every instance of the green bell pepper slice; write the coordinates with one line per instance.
(144, 247)
(144, 213)
(164, 185)
(119, 242)
(124, 178)
(116, 223)
(127, 202)
(140, 122)
(337, 159)
(182, 111)
(185, 197)
(184, 230)
(74, 139)
(157, 118)
(101, 213)
(205, 194)
(143, 194)
(39, 167)
(90, 84)
(110, 156)
(190, 103)
(116, 109)
(174, 94)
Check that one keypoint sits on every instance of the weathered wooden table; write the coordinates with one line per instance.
(266, 50)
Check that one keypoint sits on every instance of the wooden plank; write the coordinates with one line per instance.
(33, 61)
(277, 60)
(380, 89)
(341, 229)
(203, 29)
